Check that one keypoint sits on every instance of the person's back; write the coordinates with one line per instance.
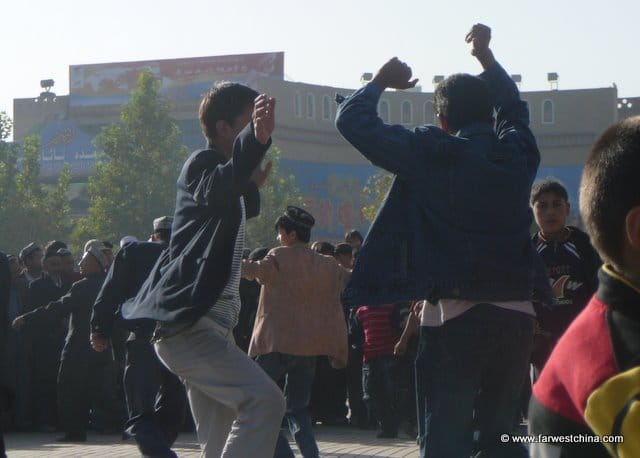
(300, 304)
(456, 221)
(454, 229)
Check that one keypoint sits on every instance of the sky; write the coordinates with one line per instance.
(589, 44)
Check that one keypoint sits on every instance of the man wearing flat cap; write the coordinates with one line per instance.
(156, 402)
(31, 258)
(83, 378)
(299, 318)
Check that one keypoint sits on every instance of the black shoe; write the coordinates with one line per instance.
(387, 435)
(72, 438)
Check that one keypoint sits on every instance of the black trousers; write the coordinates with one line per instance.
(87, 389)
(156, 399)
(329, 392)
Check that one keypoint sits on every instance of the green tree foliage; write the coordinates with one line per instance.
(375, 192)
(279, 191)
(29, 211)
(139, 160)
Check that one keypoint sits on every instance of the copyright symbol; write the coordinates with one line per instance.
(504, 438)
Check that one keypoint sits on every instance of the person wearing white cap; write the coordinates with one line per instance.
(156, 402)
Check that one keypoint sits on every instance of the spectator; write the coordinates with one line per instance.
(156, 400)
(376, 331)
(354, 238)
(590, 382)
(572, 266)
(84, 383)
(31, 258)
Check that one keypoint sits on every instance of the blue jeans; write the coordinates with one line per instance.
(475, 362)
(299, 371)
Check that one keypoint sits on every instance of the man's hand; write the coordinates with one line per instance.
(400, 347)
(264, 117)
(260, 175)
(395, 74)
(479, 36)
(18, 322)
(98, 342)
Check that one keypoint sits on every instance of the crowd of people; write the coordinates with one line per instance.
(434, 327)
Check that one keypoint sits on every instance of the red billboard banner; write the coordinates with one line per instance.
(177, 76)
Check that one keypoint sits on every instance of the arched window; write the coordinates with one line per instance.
(311, 106)
(383, 110)
(297, 105)
(429, 115)
(326, 108)
(548, 115)
(407, 112)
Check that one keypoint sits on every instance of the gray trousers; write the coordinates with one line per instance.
(236, 407)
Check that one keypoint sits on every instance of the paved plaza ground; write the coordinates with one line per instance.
(333, 442)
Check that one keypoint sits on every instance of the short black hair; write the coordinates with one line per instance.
(53, 246)
(463, 99)
(225, 101)
(343, 248)
(107, 245)
(545, 186)
(324, 248)
(353, 234)
(610, 187)
(303, 233)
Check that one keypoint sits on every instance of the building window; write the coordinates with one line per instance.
(548, 115)
(407, 112)
(429, 114)
(311, 106)
(326, 108)
(383, 110)
(297, 105)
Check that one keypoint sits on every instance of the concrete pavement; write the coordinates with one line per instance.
(345, 442)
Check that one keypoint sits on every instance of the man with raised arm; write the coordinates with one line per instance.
(454, 229)
(193, 290)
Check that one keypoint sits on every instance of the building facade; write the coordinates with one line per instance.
(329, 172)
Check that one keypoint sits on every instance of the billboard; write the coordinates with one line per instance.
(63, 142)
(181, 79)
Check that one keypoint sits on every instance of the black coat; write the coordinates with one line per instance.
(77, 304)
(127, 274)
(189, 276)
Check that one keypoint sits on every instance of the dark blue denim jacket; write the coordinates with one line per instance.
(455, 223)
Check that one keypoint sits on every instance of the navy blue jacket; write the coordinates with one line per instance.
(76, 305)
(129, 270)
(455, 223)
(190, 275)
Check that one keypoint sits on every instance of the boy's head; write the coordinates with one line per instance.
(354, 238)
(294, 226)
(224, 111)
(610, 195)
(344, 255)
(462, 99)
(550, 203)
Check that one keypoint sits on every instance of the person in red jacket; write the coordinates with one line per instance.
(587, 393)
